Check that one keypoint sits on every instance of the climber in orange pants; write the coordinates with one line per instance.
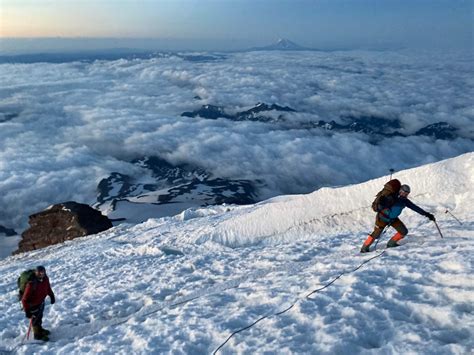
(388, 212)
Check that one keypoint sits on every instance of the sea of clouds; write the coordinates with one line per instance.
(74, 123)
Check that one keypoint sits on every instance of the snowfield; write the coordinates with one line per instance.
(184, 284)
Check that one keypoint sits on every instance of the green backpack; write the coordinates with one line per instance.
(25, 277)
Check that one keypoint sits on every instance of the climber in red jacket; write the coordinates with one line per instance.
(33, 301)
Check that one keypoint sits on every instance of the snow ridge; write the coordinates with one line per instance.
(182, 284)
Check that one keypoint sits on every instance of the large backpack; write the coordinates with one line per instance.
(386, 197)
(25, 277)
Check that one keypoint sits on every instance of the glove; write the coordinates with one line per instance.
(52, 298)
(31, 313)
(430, 217)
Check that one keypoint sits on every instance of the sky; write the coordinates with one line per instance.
(236, 24)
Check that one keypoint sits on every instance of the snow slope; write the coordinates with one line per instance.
(183, 284)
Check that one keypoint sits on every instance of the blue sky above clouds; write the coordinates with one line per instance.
(233, 24)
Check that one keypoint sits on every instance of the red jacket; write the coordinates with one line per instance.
(36, 292)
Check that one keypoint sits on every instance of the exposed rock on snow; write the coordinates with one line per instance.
(259, 113)
(61, 222)
(7, 231)
(166, 190)
(373, 126)
(440, 130)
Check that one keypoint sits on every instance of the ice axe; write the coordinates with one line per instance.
(29, 329)
(437, 227)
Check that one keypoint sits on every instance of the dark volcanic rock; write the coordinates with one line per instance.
(164, 184)
(7, 231)
(61, 222)
(116, 181)
(382, 127)
(440, 130)
(372, 124)
(261, 107)
(256, 113)
(208, 111)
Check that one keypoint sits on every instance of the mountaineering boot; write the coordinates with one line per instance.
(393, 242)
(38, 335)
(366, 246)
(44, 331)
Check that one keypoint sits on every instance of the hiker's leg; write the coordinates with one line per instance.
(378, 228)
(402, 231)
(37, 313)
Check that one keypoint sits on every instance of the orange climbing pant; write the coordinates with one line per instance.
(398, 236)
(396, 223)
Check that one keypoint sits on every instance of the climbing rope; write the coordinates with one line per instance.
(292, 305)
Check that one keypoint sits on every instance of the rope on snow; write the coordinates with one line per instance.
(292, 305)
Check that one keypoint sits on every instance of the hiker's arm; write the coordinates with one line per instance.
(51, 293)
(26, 296)
(419, 210)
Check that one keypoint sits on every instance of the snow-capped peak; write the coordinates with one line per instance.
(282, 44)
(286, 44)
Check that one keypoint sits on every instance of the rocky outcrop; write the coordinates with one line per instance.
(208, 111)
(61, 222)
(440, 130)
(371, 125)
(374, 126)
(262, 112)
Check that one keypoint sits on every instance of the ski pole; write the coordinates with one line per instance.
(381, 235)
(29, 329)
(448, 211)
(439, 230)
(391, 172)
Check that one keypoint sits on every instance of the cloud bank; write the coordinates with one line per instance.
(67, 126)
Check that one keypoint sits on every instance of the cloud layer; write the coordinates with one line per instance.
(77, 122)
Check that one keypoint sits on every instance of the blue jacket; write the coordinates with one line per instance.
(389, 214)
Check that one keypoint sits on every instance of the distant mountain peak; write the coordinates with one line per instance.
(283, 44)
(286, 44)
